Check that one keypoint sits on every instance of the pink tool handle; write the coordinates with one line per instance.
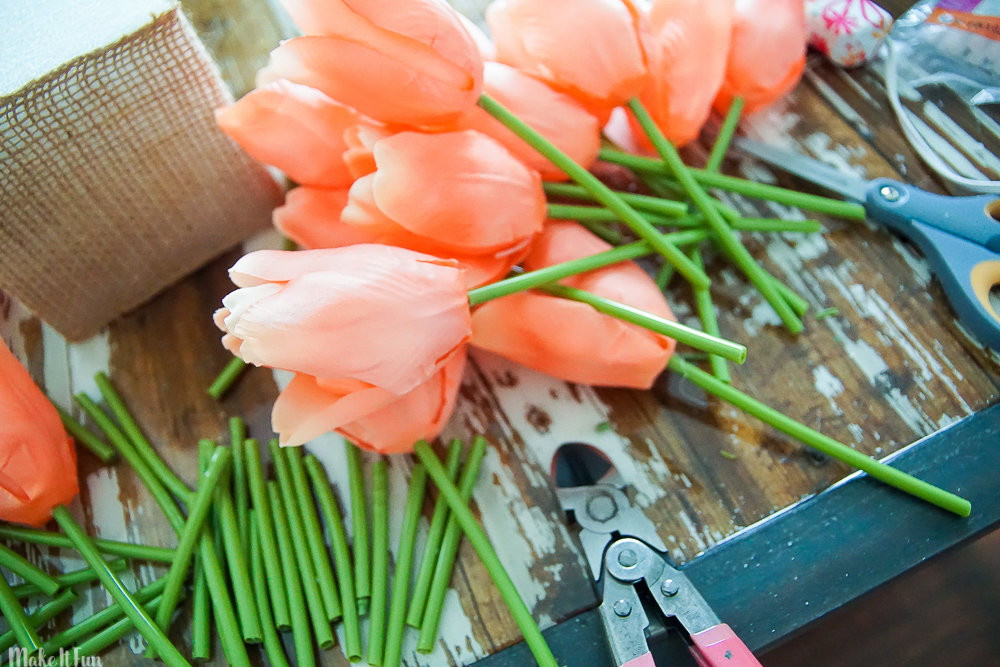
(644, 660)
(720, 647)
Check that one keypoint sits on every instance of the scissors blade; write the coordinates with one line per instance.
(852, 187)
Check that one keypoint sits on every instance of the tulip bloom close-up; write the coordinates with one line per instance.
(571, 340)
(37, 461)
(410, 62)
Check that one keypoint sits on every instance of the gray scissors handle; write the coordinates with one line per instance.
(960, 239)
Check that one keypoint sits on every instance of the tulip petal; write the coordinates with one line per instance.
(491, 200)
(571, 340)
(295, 128)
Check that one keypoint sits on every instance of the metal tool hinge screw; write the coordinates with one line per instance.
(670, 588)
(889, 193)
(622, 608)
(628, 558)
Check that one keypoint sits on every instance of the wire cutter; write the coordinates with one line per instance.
(626, 555)
(959, 236)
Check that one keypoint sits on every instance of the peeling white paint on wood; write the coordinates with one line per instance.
(829, 386)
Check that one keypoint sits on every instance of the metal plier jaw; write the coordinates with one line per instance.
(628, 561)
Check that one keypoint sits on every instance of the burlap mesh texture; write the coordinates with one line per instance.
(115, 181)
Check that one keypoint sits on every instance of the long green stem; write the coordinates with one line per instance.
(432, 546)
(111, 547)
(142, 621)
(601, 192)
(725, 235)
(656, 205)
(721, 144)
(268, 538)
(227, 377)
(97, 447)
(449, 549)
(709, 322)
(380, 562)
(533, 279)
(301, 635)
(359, 524)
(825, 444)
(481, 543)
(599, 214)
(139, 441)
(18, 621)
(74, 578)
(682, 334)
(341, 556)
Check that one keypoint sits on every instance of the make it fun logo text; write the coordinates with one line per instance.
(19, 657)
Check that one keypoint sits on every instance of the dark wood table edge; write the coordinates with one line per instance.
(774, 578)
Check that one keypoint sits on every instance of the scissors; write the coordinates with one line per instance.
(959, 236)
(624, 551)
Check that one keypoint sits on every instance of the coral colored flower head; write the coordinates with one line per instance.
(457, 195)
(591, 49)
(570, 340)
(399, 61)
(37, 458)
(385, 317)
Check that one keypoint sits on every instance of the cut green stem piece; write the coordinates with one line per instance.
(664, 275)
(657, 205)
(601, 214)
(301, 635)
(775, 225)
(359, 524)
(101, 619)
(481, 543)
(341, 556)
(825, 444)
(432, 547)
(43, 615)
(222, 606)
(201, 616)
(111, 547)
(268, 537)
(241, 492)
(20, 566)
(272, 641)
(727, 238)
(221, 384)
(113, 633)
(803, 200)
(827, 312)
(449, 549)
(404, 565)
(97, 447)
(138, 463)
(721, 144)
(24, 631)
(594, 186)
(74, 578)
(706, 312)
(139, 441)
(682, 334)
(314, 534)
(191, 536)
(142, 621)
(293, 517)
(550, 274)
(239, 569)
(380, 562)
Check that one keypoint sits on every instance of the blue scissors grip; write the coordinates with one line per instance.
(896, 205)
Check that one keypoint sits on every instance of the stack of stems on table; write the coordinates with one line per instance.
(251, 549)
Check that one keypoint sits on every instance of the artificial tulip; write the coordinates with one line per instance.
(592, 49)
(295, 128)
(767, 55)
(386, 317)
(556, 116)
(689, 43)
(570, 340)
(398, 61)
(37, 458)
(370, 417)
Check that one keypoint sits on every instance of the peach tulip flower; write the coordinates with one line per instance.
(381, 422)
(295, 128)
(384, 318)
(571, 340)
(312, 218)
(591, 49)
(556, 116)
(767, 55)
(37, 458)
(400, 61)
(689, 43)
